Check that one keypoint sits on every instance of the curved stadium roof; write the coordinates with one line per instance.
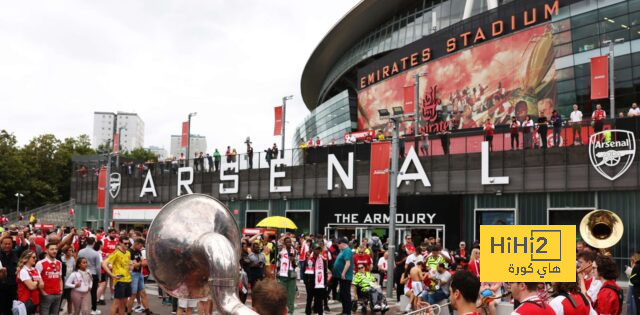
(358, 22)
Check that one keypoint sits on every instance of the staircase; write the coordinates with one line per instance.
(56, 214)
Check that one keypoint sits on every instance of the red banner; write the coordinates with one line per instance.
(599, 77)
(116, 143)
(185, 134)
(277, 127)
(409, 99)
(379, 173)
(102, 187)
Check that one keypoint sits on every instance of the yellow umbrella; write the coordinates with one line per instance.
(277, 222)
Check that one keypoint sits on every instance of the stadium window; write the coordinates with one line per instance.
(613, 11)
(584, 19)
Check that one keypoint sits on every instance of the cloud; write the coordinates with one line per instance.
(230, 61)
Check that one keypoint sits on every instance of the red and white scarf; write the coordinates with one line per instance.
(319, 273)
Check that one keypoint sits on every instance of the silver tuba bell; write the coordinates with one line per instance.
(193, 249)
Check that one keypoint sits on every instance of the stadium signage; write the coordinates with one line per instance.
(611, 152)
(450, 40)
(230, 178)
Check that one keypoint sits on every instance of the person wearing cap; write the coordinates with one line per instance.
(343, 270)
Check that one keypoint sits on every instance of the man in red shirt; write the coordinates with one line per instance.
(598, 117)
(587, 282)
(607, 271)
(489, 130)
(530, 303)
(362, 258)
(50, 270)
(40, 241)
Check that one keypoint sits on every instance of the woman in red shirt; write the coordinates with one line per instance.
(474, 262)
(607, 272)
(29, 281)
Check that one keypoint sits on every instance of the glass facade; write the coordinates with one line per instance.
(579, 33)
(329, 121)
(422, 19)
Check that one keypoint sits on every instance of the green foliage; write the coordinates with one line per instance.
(41, 170)
(140, 154)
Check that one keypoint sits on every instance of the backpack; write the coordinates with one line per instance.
(620, 295)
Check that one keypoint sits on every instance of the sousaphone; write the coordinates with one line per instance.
(194, 248)
(601, 229)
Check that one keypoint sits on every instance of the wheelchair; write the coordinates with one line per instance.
(365, 302)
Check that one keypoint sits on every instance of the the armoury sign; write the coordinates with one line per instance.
(230, 178)
(611, 152)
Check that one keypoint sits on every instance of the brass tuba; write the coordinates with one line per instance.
(193, 248)
(601, 229)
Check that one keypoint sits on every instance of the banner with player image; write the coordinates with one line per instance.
(513, 75)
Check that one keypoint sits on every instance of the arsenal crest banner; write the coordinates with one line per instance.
(102, 187)
(379, 173)
(277, 127)
(185, 134)
(599, 77)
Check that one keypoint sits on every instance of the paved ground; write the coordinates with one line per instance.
(157, 307)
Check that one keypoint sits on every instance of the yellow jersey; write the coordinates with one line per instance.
(120, 265)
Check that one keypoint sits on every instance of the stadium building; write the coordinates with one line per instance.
(472, 61)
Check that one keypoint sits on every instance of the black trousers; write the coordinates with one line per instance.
(444, 139)
(8, 293)
(333, 288)
(515, 137)
(94, 292)
(543, 136)
(345, 296)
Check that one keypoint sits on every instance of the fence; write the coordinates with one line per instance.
(57, 214)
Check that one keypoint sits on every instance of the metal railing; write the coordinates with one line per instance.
(57, 214)
(463, 141)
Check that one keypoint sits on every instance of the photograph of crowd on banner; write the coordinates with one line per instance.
(510, 76)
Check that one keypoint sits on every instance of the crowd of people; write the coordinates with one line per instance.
(425, 273)
(70, 270)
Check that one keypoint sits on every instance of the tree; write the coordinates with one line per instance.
(44, 170)
(140, 154)
(67, 149)
(12, 171)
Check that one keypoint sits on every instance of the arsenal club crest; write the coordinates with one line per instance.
(612, 152)
(114, 184)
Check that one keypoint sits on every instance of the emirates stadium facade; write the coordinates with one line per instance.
(475, 60)
(535, 52)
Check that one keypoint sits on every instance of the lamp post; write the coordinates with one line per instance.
(189, 137)
(396, 119)
(106, 220)
(612, 90)
(284, 121)
(18, 195)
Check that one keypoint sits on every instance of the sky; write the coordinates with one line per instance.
(230, 61)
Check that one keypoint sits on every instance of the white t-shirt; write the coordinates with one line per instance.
(634, 111)
(446, 277)
(576, 116)
(382, 263)
(24, 275)
(594, 289)
(413, 258)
